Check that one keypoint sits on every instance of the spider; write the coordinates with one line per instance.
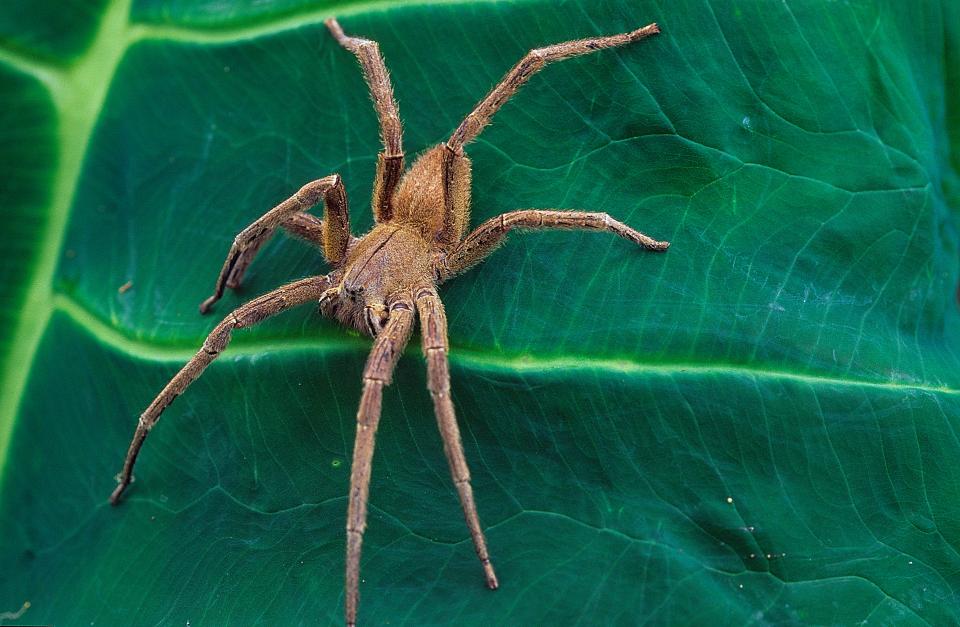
(384, 280)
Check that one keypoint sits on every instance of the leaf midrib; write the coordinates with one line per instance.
(473, 359)
(53, 72)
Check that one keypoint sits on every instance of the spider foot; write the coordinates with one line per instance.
(491, 576)
(208, 303)
(655, 246)
(116, 494)
(122, 483)
(646, 31)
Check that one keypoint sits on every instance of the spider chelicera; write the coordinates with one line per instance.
(382, 281)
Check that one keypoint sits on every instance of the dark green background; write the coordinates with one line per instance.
(759, 426)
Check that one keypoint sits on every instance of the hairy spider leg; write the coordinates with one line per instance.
(527, 67)
(258, 309)
(301, 225)
(335, 230)
(377, 374)
(477, 119)
(390, 160)
(484, 240)
(433, 328)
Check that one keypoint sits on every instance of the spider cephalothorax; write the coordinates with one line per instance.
(381, 282)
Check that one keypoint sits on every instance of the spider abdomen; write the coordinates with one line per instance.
(418, 202)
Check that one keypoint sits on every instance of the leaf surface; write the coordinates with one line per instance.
(764, 417)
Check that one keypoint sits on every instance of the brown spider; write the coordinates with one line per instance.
(379, 279)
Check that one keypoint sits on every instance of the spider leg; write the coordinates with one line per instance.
(378, 372)
(301, 225)
(477, 119)
(527, 67)
(390, 160)
(433, 325)
(304, 226)
(475, 247)
(335, 230)
(271, 303)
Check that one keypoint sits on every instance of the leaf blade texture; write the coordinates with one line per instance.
(765, 416)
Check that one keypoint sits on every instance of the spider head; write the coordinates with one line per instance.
(355, 307)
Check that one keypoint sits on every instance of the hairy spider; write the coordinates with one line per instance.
(383, 280)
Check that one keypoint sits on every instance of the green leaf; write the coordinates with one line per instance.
(54, 32)
(28, 154)
(759, 426)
